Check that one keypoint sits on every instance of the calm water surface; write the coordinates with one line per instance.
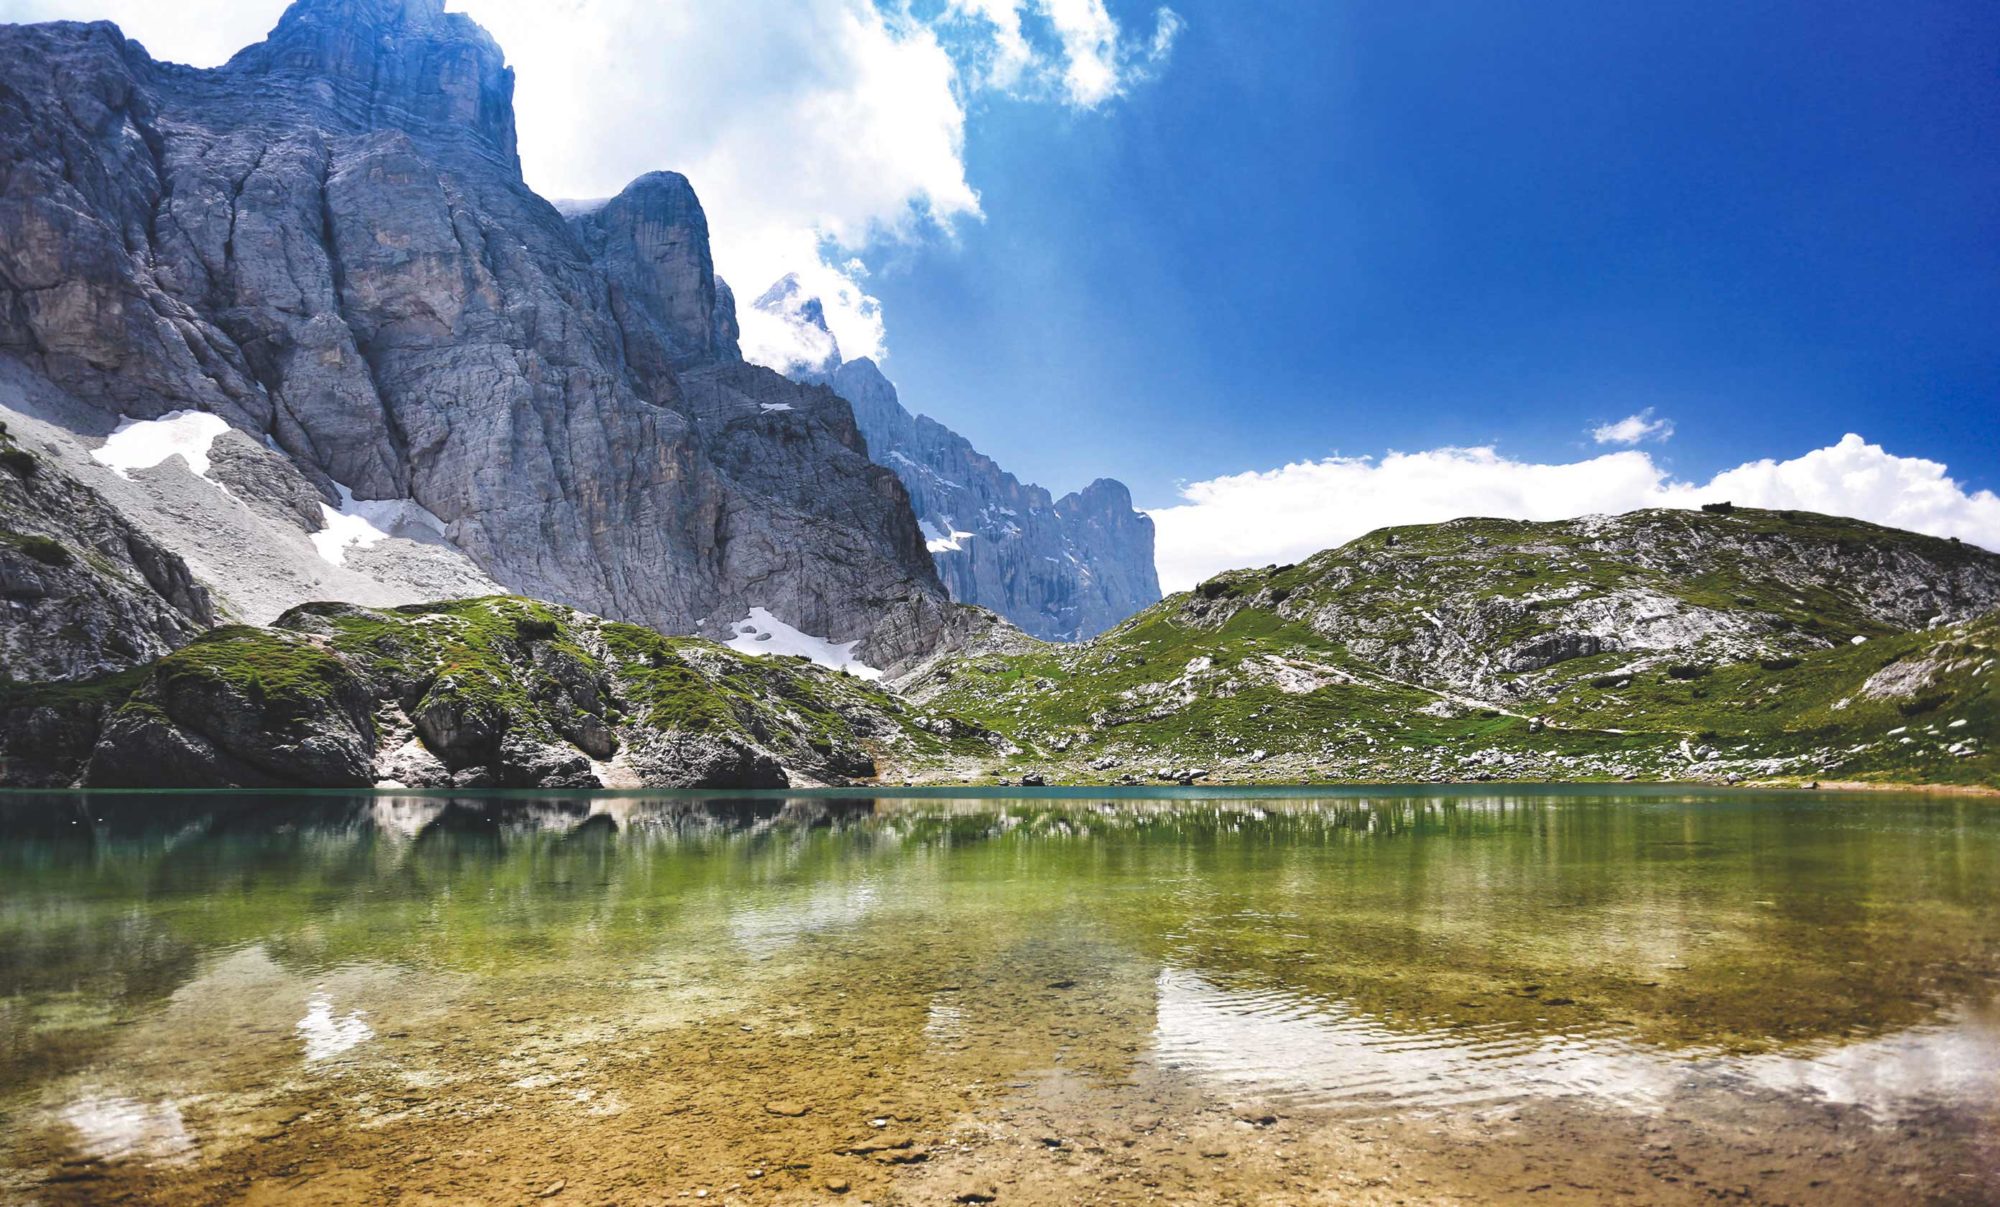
(1550, 995)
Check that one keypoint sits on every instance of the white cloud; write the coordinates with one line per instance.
(1287, 514)
(1090, 48)
(814, 130)
(201, 32)
(1633, 429)
(778, 331)
(1008, 58)
(1073, 50)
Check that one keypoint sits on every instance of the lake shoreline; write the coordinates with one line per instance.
(886, 787)
(1928, 789)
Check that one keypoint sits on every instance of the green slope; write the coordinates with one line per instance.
(1659, 645)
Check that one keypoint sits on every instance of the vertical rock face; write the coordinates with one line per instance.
(328, 243)
(1060, 569)
(652, 243)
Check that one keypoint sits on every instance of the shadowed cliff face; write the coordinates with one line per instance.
(328, 243)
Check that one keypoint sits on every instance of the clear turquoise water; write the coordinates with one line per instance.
(194, 985)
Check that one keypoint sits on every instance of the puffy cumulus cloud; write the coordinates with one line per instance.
(814, 130)
(1633, 429)
(1859, 479)
(1287, 514)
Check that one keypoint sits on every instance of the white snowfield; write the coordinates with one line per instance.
(763, 633)
(771, 407)
(364, 522)
(144, 443)
(949, 537)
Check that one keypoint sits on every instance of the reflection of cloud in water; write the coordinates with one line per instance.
(114, 1129)
(1956, 1061)
(764, 929)
(326, 1036)
(1322, 1055)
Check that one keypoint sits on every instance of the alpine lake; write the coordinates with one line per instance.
(1502, 994)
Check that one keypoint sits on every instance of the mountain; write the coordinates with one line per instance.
(497, 692)
(299, 321)
(1718, 644)
(1060, 569)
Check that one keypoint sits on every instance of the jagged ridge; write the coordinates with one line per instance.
(1061, 569)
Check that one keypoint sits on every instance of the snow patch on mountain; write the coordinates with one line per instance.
(762, 633)
(365, 522)
(145, 443)
(948, 536)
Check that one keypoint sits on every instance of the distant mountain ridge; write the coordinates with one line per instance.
(1060, 569)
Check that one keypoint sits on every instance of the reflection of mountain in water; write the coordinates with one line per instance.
(1750, 923)
(164, 820)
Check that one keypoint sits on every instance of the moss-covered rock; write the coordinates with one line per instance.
(241, 707)
(494, 692)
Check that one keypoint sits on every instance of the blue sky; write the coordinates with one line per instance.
(1360, 227)
(1293, 269)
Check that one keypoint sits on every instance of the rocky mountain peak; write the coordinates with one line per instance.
(810, 351)
(1104, 493)
(327, 245)
(652, 241)
(396, 64)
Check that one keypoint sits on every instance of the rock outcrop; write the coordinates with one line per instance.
(1487, 606)
(1061, 569)
(82, 591)
(327, 242)
(499, 692)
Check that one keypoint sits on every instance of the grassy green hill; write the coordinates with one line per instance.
(1657, 645)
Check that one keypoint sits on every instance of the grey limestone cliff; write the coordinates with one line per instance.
(327, 242)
